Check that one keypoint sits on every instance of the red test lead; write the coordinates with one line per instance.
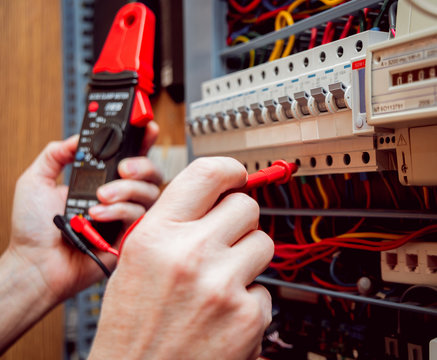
(82, 226)
(280, 173)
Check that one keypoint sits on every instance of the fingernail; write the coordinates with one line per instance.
(96, 210)
(107, 192)
(128, 168)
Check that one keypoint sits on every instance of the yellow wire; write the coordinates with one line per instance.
(277, 49)
(313, 230)
(331, 2)
(309, 11)
(315, 223)
(372, 235)
(290, 21)
(242, 38)
(390, 191)
(426, 196)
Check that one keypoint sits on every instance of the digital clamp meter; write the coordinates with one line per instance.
(118, 110)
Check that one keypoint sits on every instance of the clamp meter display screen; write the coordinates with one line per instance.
(86, 181)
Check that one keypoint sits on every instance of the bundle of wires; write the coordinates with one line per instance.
(249, 19)
(309, 247)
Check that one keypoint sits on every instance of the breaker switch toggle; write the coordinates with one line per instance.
(198, 126)
(338, 94)
(220, 120)
(231, 119)
(317, 103)
(270, 110)
(285, 103)
(257, 113)
(301, 106)
(244, 113)
(209, 123)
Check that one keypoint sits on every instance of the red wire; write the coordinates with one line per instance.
(313, 38)
(331, 34)
(326, 34)
(128, 231)
(312, 195)
(244, 9)
(113, 251)
(331, 286)
(294, 191)
(362, 244)
(335, 191)
(269, 203)
(347, 27)
(306, 195)
(286, 265)
(288, 278)
(368, 198)
(328, 305)
(270, 14)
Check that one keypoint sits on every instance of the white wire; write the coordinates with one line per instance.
(425, 6)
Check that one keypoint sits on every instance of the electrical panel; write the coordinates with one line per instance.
(353, 103)
(294, 108)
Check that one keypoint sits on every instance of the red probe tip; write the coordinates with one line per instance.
(290, 169)
(77, 222)
(84, 227)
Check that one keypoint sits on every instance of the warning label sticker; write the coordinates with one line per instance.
(402, 141)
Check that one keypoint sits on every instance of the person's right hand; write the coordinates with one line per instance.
(183, 286)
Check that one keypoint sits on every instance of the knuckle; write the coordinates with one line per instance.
(250, 205)
(252, 315)
(218, 294)
(215, 168)
(265, 243)
(205, 168)
(51, 146)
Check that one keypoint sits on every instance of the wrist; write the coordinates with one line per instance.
(32, 274)
(24, 298)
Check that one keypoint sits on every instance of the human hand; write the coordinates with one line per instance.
(183, 285)
(35, 239)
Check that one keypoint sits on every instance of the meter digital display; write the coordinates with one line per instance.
(86, 181)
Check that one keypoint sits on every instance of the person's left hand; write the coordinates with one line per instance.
(36, 240)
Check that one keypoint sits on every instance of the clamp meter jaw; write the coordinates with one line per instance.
(118, 110)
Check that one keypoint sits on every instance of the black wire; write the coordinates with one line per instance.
(63, 225)
(381, 13)
(99, 262)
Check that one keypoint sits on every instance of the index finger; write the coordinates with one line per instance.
(196, 189)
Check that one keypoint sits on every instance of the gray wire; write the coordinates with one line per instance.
(369, 213)
(392, 15)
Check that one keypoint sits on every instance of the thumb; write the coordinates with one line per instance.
(54, 157)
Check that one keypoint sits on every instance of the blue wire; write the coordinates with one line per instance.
(270, 7)
(287, 205)
(334, 277)
(242, 31)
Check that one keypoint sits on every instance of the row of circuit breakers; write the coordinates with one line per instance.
(363, 103)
